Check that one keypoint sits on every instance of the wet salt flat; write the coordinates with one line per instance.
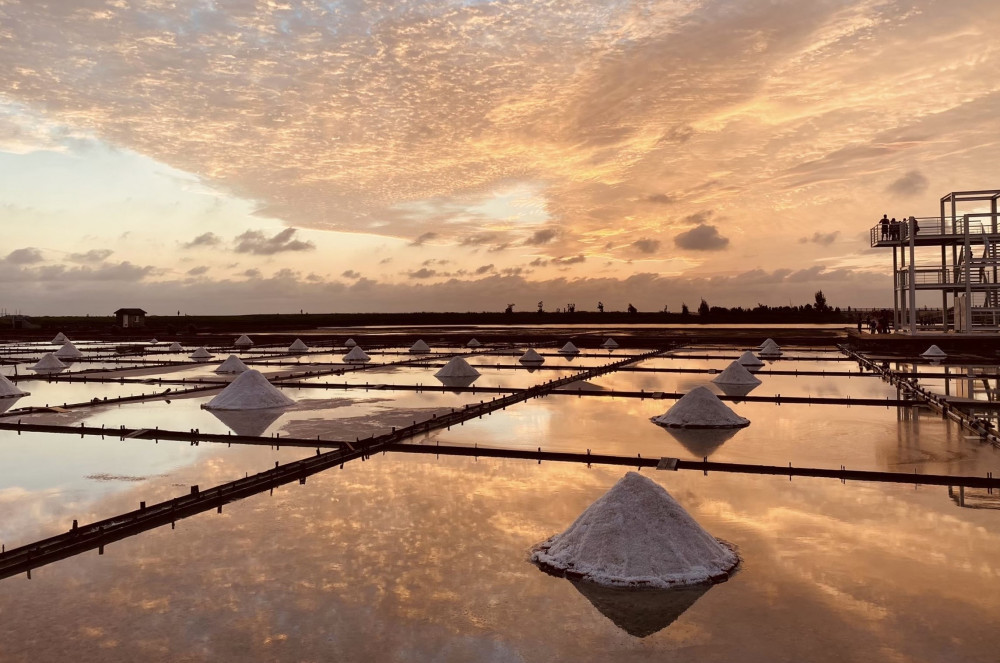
(424, 557)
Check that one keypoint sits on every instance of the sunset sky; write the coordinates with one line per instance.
(239, 156)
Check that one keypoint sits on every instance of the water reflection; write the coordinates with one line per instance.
(640, 612)
(458, 382)
(702, 442)
(736, 390)
(251, 423)
(8, 403)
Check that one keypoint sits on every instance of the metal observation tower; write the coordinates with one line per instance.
(952, 255)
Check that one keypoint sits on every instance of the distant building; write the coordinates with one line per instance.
(131, 317)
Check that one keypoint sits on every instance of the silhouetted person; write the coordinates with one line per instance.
(893, 229)
(916, 226)
(632, 309)
(600, 307)
(884, 226)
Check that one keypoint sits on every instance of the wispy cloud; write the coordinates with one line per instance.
(258, 243)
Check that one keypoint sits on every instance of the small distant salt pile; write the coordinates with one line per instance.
(457, 368)
(59, 339)
(569, 349)
(48, 364)
(581, 385)
(531, 357)
(420, 348)
(736, 374)
(298, 346)
(349, 343)
(700, 408)
(768, 343)
(200, 353)
(637, 535)
(356, 356)
(10, 390)
(68, 351)
(749, 360)
(250, 391)
(609, 344)
(770, 350)
(933, 352)
(175, 347)
(473, 344)
(153, 341)
(232, 365)
(243, 341)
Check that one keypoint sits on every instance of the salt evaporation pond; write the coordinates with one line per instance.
(420, 558)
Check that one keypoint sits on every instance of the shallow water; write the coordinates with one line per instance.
(413, 558)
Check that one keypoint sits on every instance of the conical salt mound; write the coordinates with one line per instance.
(243, 342)
(232, 365)
(68, 351)
(473, 344)
(153, 341)
(48, 364)
(200, 353)
(637, 535)
(531, 357)
(700, 408)
(749, 359)
(10, 390)
(457, 368)
(298, 346)
(420, 348)
(356, 356)
(581, 385)
(349, 343)
(176, 347)
(569, 349)
(250, 391)
(735, 373)
(769, 343)
(60, 339)
(609, 344)
(933, 351)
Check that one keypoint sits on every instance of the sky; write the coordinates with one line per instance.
(263, 156)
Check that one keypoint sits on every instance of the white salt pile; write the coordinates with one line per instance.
(349, 343)
(48, 364)
(637, 535)
(10, 390)
(250, 391)
(569, 349)
(700, 408)
(934, 352)
(200, 353)
(356, 356)
(473, 344)
(176, 347)
(581, 385)
(60, 339)
(735, 373)
(68, 351)
(609, 344)
(153, 341)
(457, 368)
(768, 343)
(243, 341)
(420, 348)
(769, 349)
(749, 359)
(531, 357)
(298, 346)
(232, 365)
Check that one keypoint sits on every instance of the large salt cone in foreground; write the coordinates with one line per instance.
(700, 408)
(933, 352)
(749, 360)
(10, 390)
(232, 365)
(250, 391)
(356, 356)
(68, 351)
(609, 344)
(49, 363)
(175, 347)
(736, 374)
(569, 349)
(243, 342)
(59, 339)
(637, 535)
(531, 357)
(200, 353)
(250, 423)
(298, 345)
(473, 343)
(420, 348)
(640, 612)
(457, 368)
(349, 343)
